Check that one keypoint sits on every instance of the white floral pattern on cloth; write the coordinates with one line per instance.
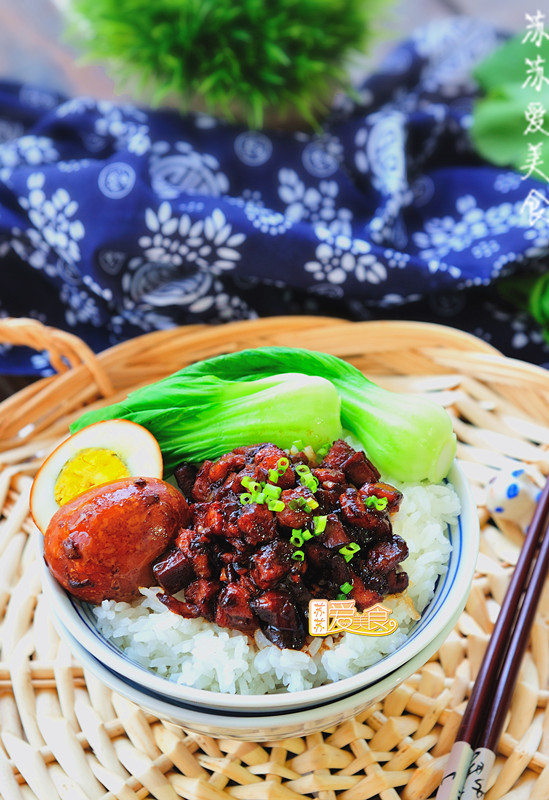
(480, 230)
(152, 286)
(507, 182)
(126, 125)
(253, 148)
(451, 53)
(177, 239)
(322, 157)
(180, 262)
(81, 306)
(340, 257)
(31, 151)
(10, 130)
(266, 220)
(381, 147)
(115, 220)
(180, 168)
(316, 204)
(53, 243)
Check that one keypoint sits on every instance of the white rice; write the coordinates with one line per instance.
(203, 655)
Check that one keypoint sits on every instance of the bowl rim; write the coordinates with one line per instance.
(76, 619)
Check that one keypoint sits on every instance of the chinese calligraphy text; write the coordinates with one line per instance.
(335, 616)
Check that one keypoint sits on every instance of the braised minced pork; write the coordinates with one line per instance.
(238, 562)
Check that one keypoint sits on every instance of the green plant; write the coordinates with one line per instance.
(528, 293)
(248, 55)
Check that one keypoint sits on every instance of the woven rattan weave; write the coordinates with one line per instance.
(64, 735)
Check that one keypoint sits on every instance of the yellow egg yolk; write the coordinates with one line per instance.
(88, 468)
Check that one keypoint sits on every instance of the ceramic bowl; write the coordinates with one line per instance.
(261, 726)
(78, 621)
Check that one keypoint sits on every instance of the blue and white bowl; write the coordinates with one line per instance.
(247, 726)
(78, 622)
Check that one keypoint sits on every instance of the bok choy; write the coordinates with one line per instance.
(266, 394)
(194, 419)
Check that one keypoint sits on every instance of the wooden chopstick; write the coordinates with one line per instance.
(473, 754)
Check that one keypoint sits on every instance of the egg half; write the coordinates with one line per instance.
(103, 452)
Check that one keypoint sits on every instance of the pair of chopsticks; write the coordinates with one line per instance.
(474, 751)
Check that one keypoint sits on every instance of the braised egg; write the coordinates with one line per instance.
(101, 453)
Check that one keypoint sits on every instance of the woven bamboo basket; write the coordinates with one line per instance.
(65, 735)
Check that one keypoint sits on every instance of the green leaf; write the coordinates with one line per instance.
(499, 125)
(195, 419)
(406, 436)
(281, 394)
(509, 87)
(507, 64)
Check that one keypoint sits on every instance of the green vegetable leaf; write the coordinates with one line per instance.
(281, 394)
(499, 125)
(500, 130)
(195, 419)
(406, 436)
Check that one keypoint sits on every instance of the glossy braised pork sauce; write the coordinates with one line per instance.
(250, 560)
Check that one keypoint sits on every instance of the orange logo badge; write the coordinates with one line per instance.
(335, 616)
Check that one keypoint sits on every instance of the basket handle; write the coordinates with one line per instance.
(65, 350)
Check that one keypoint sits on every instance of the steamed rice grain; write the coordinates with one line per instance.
(203, 655)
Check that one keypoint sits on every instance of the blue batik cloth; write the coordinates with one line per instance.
(117, 220)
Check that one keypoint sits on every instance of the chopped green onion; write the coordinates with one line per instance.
(341, 596)
(245, 498)
(347, 587)
(282, 465)
(319, 525)
(310, 482)
(349, 550)
(297, 537)
(321, 452)
(259, 497)
(297, 503)
(379, 503)
(302, 469)
(298, 555)
(303, 504)
(250, 484)
(307, 535)
(273, 475)
(272, 491)
(275, 505)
